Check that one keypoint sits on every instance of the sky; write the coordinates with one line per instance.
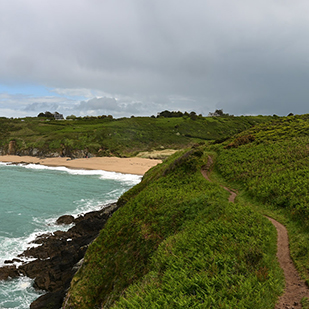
(140, 57)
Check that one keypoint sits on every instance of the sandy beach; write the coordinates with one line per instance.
(137, 166)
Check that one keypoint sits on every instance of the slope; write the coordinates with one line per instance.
(269, 164)
(177, 242)
(118, 137)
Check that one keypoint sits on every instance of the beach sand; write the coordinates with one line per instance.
(137, 166)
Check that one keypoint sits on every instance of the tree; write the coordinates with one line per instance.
(168, 114)
(46, 114)
(219, 112)
(193, 115)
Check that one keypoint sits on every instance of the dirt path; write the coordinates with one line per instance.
(205, 171)
(295, 288)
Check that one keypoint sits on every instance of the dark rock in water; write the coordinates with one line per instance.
(12, 261)
(52, 300)
(7, 272)
(66, 219)
(57, 256)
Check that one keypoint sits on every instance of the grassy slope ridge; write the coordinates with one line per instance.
(273, 170)
(120, 137)
(177, 243)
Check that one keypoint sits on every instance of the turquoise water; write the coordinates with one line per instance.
(32, 197)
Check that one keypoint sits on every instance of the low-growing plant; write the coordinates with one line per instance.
(177, 243)
(206, 265)
(121, 137)
(274, 171)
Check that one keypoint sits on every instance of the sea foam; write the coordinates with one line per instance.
(18, 293)
(129, 178)
(33, 197)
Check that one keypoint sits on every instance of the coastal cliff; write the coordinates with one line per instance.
(176, 242)
(12, 149)
(125, 137)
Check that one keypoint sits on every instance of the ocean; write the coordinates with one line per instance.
(32, 197)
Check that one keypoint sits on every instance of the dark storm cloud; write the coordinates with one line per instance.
(243, 56)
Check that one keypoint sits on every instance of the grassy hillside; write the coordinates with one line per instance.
(177, 243)
(120, 137)
(272, 169)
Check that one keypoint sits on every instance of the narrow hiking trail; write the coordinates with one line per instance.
(295, 287)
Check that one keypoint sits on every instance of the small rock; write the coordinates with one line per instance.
(8, 272)
(8, 262)
(12, 261)
(66, 219)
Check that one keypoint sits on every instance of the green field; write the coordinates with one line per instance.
(116, 137)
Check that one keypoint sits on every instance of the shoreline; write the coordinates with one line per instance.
(57, 256)
(65, 249)
(134, 165)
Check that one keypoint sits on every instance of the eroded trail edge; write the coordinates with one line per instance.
(295, 287)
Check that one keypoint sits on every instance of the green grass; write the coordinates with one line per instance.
(119, 137)
(217, 261)
(273, 172)
(177, 243)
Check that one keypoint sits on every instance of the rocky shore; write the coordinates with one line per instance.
(58, 256)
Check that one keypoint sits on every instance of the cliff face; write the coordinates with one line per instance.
(13, 149)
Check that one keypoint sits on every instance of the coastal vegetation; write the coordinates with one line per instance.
(273, 172)
(176, 242)
(106, 136)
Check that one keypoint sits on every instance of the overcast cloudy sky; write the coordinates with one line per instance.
(140, 57)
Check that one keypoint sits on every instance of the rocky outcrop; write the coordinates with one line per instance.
(76, 154)
(66, 219)
(12, 148)
(8, 272)
(49, 301)
(56, 257)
